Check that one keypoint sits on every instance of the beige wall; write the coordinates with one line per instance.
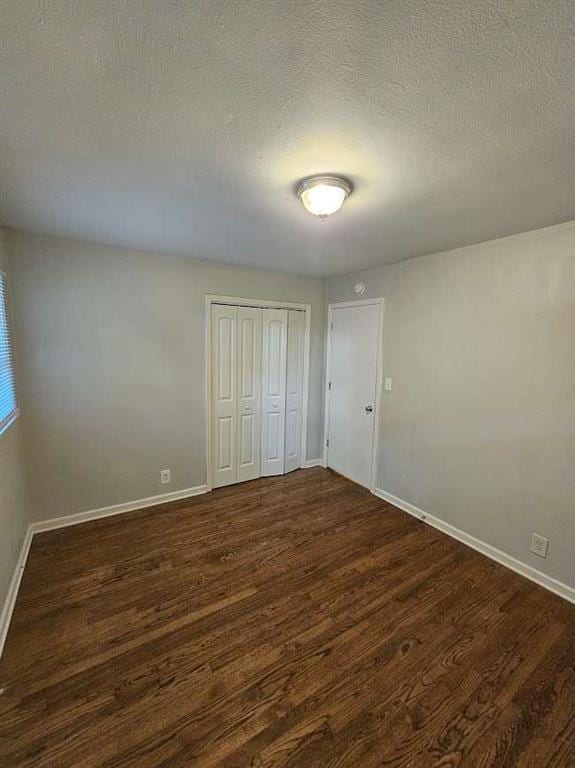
(479, 428)
(13, 512)
(112, 357)
(480, 342)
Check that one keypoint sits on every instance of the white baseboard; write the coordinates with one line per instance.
(10, 601)
(80, 517)
(553, 585)
(117, 509)
(313, 463)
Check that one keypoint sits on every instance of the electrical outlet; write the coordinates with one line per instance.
(539, 545)
(387, 383)
(165, 476)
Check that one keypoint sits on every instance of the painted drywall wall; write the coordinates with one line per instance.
(13, 510)
(112, 355)
(479, 428)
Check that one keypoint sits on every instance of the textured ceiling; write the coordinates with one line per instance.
(182, 126)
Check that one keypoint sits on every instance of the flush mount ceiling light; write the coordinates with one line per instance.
(323, 195)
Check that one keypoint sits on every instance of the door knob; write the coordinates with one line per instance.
(369, 408)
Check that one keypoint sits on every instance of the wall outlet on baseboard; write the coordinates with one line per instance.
(539, 545)
(165, 476)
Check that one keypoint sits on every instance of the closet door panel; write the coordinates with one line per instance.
(225, 456)
(224, 394)
(249, 392)
(274, 425)
(274, 339)
(294, 389)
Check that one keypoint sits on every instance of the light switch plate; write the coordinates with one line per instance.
(387, 383)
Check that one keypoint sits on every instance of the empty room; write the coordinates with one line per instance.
(287, 384)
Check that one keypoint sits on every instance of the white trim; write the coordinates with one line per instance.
(313, 463)
(208, 390)
(64, 522)
(264, 304)
(10, 601)
(116, 509)
(523, 569)
(355, 303)
(378, 380)
(401, 503)
(305, 385)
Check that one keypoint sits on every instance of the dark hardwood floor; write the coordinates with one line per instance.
(294, 621)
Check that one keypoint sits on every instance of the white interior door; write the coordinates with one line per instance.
(224, 394)
(249, 392)
(294, 389)
(353, 378)
(274, 343)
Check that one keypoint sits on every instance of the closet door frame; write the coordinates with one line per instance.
(263, 304)
(294, 392)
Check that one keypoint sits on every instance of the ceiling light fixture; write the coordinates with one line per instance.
(323, 195)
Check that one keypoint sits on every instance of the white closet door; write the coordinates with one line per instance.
(249, 392)
(224, 395)
(294, 389)
(273, 390)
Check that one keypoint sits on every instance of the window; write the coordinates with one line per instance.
(8, 409)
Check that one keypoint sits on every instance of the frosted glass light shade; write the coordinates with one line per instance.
(323, 195)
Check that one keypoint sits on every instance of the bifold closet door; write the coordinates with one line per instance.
(274, 347)
(249, 392)
(224, 322)
(294, 389)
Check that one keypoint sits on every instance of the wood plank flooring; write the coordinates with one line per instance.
(293, 621)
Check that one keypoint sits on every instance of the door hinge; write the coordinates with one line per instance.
(327, 443)
(331, 327)
(329, 385)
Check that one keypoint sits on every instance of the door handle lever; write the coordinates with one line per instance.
(369, 408)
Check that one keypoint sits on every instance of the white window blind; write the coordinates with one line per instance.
(8, 409)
